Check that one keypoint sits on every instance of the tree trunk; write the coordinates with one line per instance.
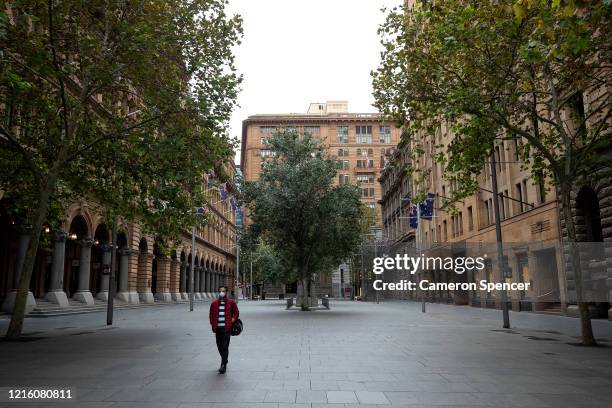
(303, 289)
(585, 318)
(16, 324)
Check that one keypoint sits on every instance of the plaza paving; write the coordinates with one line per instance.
(355, 355)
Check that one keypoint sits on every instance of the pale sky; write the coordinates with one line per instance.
(295, 52)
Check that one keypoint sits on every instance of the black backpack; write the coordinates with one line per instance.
(237, 327)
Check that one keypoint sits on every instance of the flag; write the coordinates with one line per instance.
(427, 206)
(223, 191)
(234, 205)
(414, 221)
(201, 210)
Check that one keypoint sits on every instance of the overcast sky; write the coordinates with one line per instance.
(295, 52)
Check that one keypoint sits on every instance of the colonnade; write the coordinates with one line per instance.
(136, 279)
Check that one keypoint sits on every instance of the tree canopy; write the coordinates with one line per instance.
(122, 103)
(312, 223)
(533, 71)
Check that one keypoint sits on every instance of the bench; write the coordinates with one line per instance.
(325, 303)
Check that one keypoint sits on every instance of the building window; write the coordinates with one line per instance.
(371, 205)
(385, 134)
(264, 140)
(445, 231)
(267, 153)
(365, 152)
(506, 204)
(314, 131)
(344, 179)
(343, 152)
(342, 134)
(363, 164)
(365, 178)
(343, 164)
(364, 134)
(470, 218)
(519, 195)
(267, 130)
(367, 192)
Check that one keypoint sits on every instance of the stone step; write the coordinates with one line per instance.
(45, 308)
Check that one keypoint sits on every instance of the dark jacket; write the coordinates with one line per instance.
(231, 313)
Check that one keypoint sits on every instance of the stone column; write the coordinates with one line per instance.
(175, 271)
(105, 272)
(207, 276)
(56, 292)
(145, 265)
(162, 291)
(83, 294)
(124, 294)
(203, 282)
(196, 283)
(25, 233)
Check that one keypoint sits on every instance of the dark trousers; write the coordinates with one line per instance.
(223, 341)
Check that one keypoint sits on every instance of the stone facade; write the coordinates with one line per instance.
(529, 217)
(76, 262)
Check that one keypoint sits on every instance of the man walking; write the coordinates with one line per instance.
(223, 314)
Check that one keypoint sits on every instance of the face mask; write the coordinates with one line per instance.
(221, 294)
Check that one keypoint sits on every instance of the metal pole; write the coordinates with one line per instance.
(193, 232)
(251, 284)
(418, 246)
(362, 278)
(375, 255)
(498, 236)
(111, 280)
(237, 265)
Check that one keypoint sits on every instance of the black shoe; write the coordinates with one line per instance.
(222, 369)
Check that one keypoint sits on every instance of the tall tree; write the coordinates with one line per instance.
(125, 103)
(535, 71)
(313, 224)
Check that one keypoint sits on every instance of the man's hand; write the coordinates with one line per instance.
(213, 330)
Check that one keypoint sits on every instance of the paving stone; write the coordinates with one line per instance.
(371, 397)
(341, 397)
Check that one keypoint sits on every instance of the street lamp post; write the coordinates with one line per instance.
(191, 294)
(500, 250)
(251, 280)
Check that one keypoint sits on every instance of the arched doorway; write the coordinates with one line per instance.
(589, 216)
(183, 275)
(122, 246)
(156, 255)
(78, 231)
(589, 234)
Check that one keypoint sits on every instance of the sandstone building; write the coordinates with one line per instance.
(74, 267)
